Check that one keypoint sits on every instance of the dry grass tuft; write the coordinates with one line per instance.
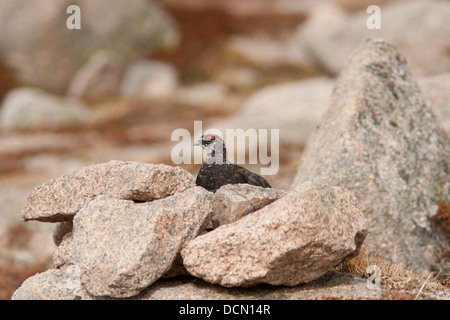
(441, 225)
(397, 281)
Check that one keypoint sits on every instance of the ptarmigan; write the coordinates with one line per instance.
(217, 171)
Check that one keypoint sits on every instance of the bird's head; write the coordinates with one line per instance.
(209, 140)
(214, 146)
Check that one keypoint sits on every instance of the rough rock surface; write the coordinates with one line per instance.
(44, 52)
(53, 284)
(332, 285)
(234, 201)
(122, 247)
(59, 199)
(231, 203)
(380, 139)
(293, 240)
(60, 284)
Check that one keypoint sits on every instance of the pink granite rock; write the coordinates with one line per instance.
(61, 198)
(293, 240)
(122, 247)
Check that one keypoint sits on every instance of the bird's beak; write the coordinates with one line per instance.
(198, 142)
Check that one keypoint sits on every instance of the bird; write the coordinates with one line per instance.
(218, 171)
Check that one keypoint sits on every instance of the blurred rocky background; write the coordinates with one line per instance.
(139, 69)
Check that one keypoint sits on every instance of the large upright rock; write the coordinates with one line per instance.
(295, 239)
(61, 198)
(122, 247)
(36, 43)
(380, 139)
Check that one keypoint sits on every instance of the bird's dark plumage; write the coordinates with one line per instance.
(217, 171)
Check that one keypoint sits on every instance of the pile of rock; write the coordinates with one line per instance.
(124, 225)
